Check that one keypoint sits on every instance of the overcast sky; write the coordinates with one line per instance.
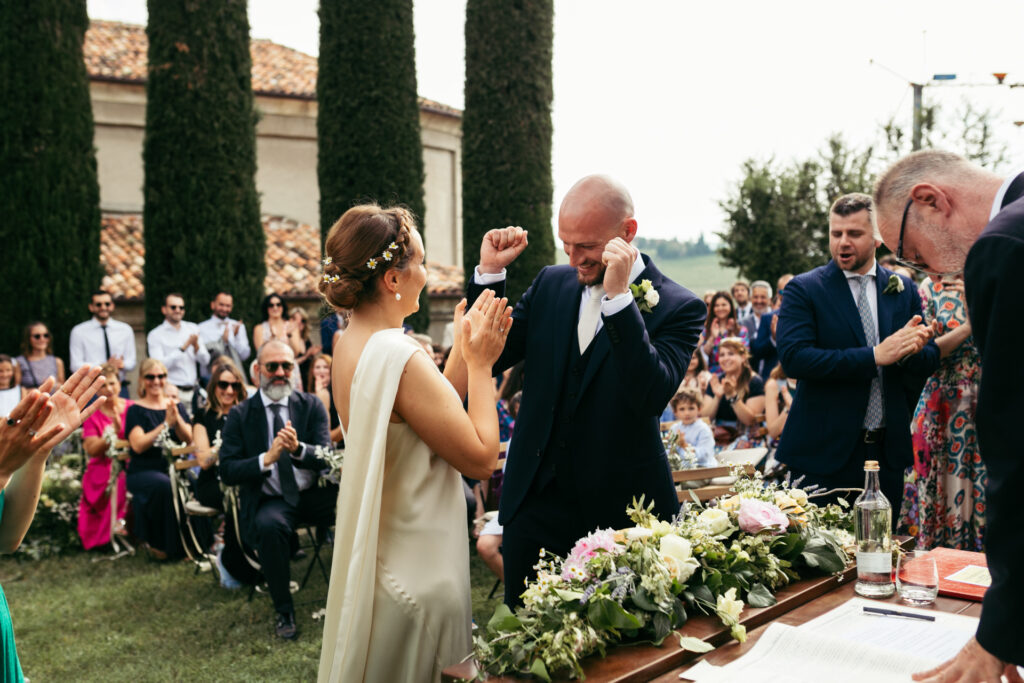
(672, 96)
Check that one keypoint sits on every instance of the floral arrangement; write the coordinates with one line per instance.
(641, 584)
(54, 528)
(684, 458)
(335, 458)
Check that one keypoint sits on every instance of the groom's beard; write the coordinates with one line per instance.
(595, 278)
(274, 389)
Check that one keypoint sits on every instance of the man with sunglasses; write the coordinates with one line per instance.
(101, 340)
(850, 332)
(269, 450)
(175, 342)
(945, 215)
(222, 335)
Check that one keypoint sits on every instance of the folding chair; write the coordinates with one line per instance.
(187, 508)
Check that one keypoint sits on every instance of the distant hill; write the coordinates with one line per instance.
(696, 273)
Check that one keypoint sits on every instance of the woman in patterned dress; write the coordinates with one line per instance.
(944, 492)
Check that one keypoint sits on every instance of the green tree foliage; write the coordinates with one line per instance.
(49, 196)
(202, 215)
(368, 120)
(506, 131)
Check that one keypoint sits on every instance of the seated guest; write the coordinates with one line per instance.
(720, 324)
(268, 451)
(155, 523)
(319, 383)
(778, 394)
(225, 391)
(737, 399)
(37, 361)
(697, 375)
(94, 508)
(692, 430)
(10, 390)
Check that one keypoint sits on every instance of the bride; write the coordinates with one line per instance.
(398, 608)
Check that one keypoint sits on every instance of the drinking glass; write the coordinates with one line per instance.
(917, 578)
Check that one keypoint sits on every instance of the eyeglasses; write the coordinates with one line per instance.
(237, 386)
(154, 378)
(175, 308)
(103, 304)
(914, 264)
(275, 304)
(273, 366)
(44, 335)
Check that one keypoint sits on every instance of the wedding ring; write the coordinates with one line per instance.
(65, 391)
(11, 422)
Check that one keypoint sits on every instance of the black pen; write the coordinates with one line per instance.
(897, 613)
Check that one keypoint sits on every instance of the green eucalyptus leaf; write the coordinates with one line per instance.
(503, 620)
(568, 595)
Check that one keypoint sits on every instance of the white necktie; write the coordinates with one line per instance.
(589, 316)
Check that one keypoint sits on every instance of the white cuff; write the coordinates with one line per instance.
(263, 467)
(488, 278)
(617, 303)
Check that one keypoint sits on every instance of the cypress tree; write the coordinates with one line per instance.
(49, 195)
(368, 121)
(506, 131)
(202, 216)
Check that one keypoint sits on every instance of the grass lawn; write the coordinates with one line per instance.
(137, 620)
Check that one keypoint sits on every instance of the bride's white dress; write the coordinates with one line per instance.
(398, 608)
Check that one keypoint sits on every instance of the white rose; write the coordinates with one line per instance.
(715, 520)
(652, 297)
(800, 496)
(661, 528)
(638, 533)
(676, 547)
(728, 607)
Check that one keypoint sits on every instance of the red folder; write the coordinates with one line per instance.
(949, 561)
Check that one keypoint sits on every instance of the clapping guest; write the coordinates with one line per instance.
(308, 350)
(222, 335)
(737, 399)
(720, 323)
(175, 343)
(274, 325)
(101, 340)
(10, 391)
(94, 508)
(37, 361)
(155, 523)
(225, 390)
(697, 375)
(33, 428)
(319, 382)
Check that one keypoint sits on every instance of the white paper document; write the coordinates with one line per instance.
(845, 644)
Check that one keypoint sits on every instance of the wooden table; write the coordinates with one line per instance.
(797, 603)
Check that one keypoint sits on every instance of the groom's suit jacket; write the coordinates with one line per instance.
(246, 435)
(991, 282)
(821, 343)
(607, 447)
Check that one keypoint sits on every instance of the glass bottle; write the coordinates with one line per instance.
(872, 522)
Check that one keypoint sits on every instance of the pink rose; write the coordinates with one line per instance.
(757, 515)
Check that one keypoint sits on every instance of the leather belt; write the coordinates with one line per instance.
(872, 435)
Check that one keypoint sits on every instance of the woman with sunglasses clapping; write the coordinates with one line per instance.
(37, 361)
(155, 523)
(225, 391)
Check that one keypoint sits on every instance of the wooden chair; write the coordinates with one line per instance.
(710, 490)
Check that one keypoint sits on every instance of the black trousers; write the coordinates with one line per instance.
(276, 522)
(851, 475)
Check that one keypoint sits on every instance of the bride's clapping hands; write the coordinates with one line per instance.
(484, 329)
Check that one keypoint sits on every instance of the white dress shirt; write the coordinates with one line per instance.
(87, 344)
(272, 484)
(872, 294)
(165, 343)
(211, 331)
(608, 306)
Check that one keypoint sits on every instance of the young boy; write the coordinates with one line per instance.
(692, 430)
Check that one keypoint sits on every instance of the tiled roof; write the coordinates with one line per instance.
(293, 259)
(118, 52)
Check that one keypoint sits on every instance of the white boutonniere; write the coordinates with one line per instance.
(645, 295)
(895, 285)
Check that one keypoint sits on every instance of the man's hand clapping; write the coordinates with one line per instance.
(906, 341)
(500, 247)
(618, 258)
(286, 441)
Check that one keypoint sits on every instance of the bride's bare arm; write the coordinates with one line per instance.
(467, 439)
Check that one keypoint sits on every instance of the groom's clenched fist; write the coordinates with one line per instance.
(501, 247)
(618, 258)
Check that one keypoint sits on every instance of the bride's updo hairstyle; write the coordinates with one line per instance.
(365, 243)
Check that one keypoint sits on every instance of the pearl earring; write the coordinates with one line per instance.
(398, 297)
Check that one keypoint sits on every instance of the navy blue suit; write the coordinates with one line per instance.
(821, 343)
(763, 354)
(587, 437)
(991, 281)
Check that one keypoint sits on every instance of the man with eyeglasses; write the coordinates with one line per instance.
(850, 331)
(101, 339)
(175, 342)
(945, 215)
(268, 450)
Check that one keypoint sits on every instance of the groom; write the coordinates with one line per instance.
(599, 371)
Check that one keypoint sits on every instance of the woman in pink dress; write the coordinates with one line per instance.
(94, 510)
